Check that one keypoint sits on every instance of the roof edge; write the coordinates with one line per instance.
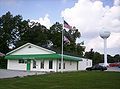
(29, 44)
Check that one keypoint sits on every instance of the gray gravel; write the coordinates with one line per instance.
(15, 73)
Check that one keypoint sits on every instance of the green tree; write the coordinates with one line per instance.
(3, 63)
(11, 27)
(97, 58)
(94, 56)
(116, 58)
(35, 33)
(55, 35)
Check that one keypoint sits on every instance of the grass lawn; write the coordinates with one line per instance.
(71, 80)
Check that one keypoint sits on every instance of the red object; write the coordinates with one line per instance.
(114, 64)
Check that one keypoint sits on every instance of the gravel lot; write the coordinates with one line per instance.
(14, 73)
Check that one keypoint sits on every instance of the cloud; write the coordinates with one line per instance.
(44, 21)
(117, 2)
(90, 18)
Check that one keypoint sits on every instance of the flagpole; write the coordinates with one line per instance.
(62, 49)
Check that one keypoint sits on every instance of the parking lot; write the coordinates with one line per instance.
(15, 73)
(113, 69)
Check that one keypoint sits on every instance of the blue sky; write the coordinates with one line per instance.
(89, 16)
(34, 9)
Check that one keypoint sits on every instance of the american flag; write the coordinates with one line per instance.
(66, 25)
(66, 40)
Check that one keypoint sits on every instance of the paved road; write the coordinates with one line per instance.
(13, 73)
(113, 69)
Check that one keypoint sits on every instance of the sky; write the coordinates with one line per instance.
(89, 16)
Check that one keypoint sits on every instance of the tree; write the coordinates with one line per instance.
(89, 54)
(97, 58)
(94, 56)
(35, 33)
(117, 58)
(55, 35)
(3, 63)
(11, 27)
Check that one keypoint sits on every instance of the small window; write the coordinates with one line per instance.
(70, 63)
(42, 64)
(50, 64)
(59, 65)
(21, 61)
(63, 65)
(34, 64)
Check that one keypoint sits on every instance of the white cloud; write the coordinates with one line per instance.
(44, 21)
(117, 2)
(90, 17)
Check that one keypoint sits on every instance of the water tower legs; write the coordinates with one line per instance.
(105, 53)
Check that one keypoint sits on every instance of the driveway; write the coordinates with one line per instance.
(14, 73)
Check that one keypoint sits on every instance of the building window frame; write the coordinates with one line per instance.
(21, 61)
(34, 64)
(64, 65)
(42, 64)
(59, 65)
(50, 64)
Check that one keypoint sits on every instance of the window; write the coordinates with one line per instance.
(29, 47)
(59, 65)
(50, 64)
(63, 65)
(70, 63)
(42, 64)
(21, 61)
(34, 64)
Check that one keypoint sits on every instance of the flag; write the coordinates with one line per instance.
(66, 25)
(66, 40)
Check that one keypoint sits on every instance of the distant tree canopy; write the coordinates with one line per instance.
(99, 58)
(14, 31)
(11, 27)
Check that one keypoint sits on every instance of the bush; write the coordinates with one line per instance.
(3, 63)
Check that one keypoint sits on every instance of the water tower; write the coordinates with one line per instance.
(105, 34)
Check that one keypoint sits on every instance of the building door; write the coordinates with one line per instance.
(28, 65)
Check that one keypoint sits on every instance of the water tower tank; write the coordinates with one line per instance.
(104, 34)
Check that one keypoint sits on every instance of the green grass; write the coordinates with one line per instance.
(70, 80)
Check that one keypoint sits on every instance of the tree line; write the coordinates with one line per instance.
(99, 58)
